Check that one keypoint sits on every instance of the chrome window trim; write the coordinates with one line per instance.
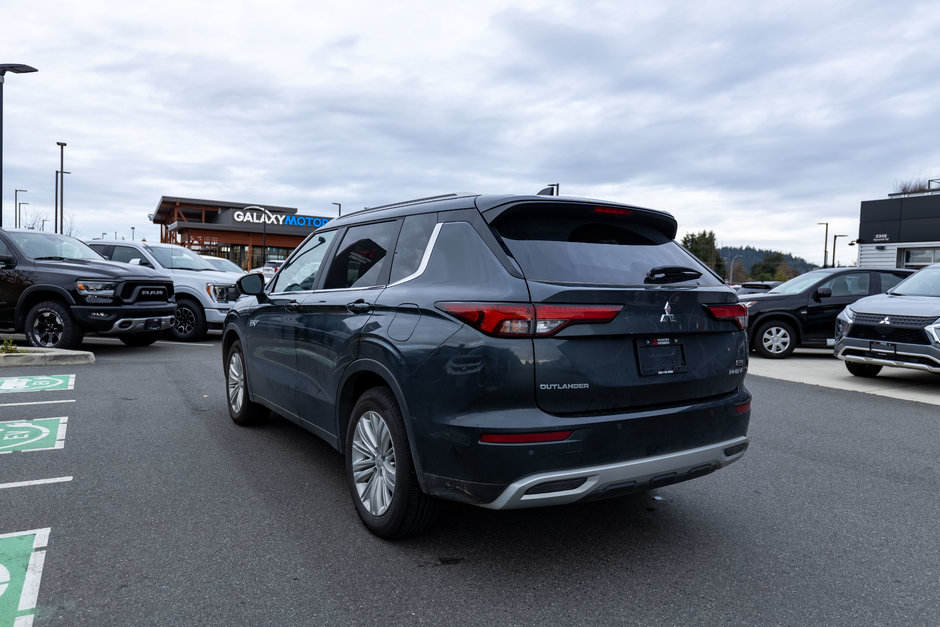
(424, 259)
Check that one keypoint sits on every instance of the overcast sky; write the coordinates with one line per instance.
(753, 119)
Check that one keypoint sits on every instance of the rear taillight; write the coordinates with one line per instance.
(526, 320)
(735, 312)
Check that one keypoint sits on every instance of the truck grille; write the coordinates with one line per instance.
(140, 292)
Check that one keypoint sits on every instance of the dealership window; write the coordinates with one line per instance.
(919, 257)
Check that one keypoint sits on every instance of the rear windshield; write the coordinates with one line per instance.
(576, 245)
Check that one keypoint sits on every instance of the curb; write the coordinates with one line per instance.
(30, 356)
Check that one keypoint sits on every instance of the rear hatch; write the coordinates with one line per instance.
(671, 332)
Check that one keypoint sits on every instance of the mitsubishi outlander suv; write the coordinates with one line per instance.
(54, 289)
(203, 293)
(503, 351)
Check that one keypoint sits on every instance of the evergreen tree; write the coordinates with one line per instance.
(702, 245)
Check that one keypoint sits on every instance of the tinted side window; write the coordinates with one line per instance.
(301, 273)
(4, 249)
(889, 280)
(126, 253)
(852, 284)
(415, 234)
(363, 256)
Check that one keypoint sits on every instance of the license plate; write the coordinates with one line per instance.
(883, 349)
(153, 324)
(660, 356)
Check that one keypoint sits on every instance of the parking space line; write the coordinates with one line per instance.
(25, 484)
(72, 400)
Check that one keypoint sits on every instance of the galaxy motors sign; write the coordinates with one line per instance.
(264, 217)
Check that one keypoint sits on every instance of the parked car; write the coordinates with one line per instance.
(223, 265)
(55, 289)
(504, 351)
(900, 329)
(203, 294)
(269, 269)
(802, 311)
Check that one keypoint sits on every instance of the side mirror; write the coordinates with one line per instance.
(251, 284)
(7, 261)
(824, 292)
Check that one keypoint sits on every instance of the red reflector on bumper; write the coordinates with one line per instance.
(525, 438)
(743, 407)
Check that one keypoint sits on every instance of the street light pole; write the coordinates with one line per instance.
(15, 68)
(16, 203)
(339, 210)
(132, 234)
(731, 268)
(19, 220)
(60, 205)
(825, 243)
(834, 238)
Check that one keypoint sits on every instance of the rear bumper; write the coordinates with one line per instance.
(604, 456)
(925, 357)
(569, 486)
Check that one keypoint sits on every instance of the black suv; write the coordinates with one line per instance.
(504, 351)
(54, 289)
(802, 311)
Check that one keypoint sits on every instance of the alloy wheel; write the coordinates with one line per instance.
(373, 463)
(185, 320)
(48, 328)
(236, 382)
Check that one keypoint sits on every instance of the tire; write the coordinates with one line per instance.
(380, 471)
(50, 325)
(775, 339)
(189, 322)
(862, 370)
(141, 339)
(241, 408)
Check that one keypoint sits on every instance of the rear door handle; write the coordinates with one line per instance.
(359, 307)
(292, 306)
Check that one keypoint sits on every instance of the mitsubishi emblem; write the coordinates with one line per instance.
(887, 320)
(667, 317)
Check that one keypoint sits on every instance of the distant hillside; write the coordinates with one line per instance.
(749, 256)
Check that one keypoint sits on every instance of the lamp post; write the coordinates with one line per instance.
(58, 174)
(825, 243)
(15, 68)
(43, 227)
(60, 201)
(16, 203)
(834, 239)
(132, 234)
(19, 221)
(339, 209)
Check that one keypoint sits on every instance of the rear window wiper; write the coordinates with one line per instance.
(671, 274)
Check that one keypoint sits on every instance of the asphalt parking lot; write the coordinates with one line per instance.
(147, 505)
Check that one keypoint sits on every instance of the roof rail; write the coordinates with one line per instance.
(417, 200)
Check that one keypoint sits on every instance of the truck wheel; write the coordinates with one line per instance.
(141, 339)
(240, 407)
(775, 340)
(189, 323)
(380, 471)
(50, 325)
(862, 370)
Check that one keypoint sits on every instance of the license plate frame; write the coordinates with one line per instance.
(887, 350)
(153, 324)
(660, 356)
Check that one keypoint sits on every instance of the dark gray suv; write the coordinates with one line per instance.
(504, 351)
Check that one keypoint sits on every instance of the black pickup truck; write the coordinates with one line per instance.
(54, 289)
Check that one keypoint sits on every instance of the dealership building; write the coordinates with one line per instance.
(901, 231)
(247, 234)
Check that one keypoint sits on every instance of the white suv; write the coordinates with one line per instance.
(203, 294)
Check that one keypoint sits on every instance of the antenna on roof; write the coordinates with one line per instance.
(551, 190)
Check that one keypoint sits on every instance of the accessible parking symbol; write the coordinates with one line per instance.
(37, 384)
(42, 434)
(22, 556)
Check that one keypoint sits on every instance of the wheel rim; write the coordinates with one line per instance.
(776, 340)
(373, 463)
(236, 382)
(184, 321)
(48, 328)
